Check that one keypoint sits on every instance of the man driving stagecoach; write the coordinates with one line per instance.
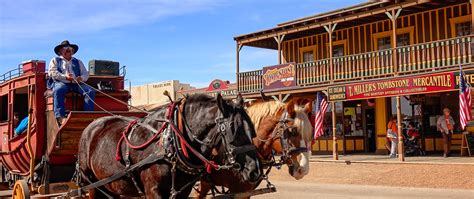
(66, 74)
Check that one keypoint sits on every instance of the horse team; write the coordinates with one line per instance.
(199, 138)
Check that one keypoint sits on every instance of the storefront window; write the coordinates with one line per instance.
(353, 118)
(433, 108)
(424, 110)
(406, 108)
(327, 124)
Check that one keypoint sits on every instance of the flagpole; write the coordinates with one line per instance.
(334, 129)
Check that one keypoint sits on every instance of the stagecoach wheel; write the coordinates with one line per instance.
(21, 190)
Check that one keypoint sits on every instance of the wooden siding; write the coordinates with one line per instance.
(427, 26)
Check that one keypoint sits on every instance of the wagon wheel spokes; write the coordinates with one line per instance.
(21, 190)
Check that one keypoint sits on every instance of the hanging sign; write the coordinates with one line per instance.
(279, 77)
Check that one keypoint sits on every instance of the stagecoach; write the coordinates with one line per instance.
(41, 161)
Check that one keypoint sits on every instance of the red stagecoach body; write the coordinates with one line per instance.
(59, 143)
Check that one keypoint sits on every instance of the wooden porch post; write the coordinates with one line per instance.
(279, 40)
(237, 65)
(401, 149)
(330, 29)
(472, 17)
(393, 17)
(335, 155)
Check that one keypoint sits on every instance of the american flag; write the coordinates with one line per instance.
(321, 106)
(465, 104)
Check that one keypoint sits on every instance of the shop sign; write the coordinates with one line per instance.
(337, 93)
(468, 76)
(217, 84)
(393, 87)
(279, 77)
(224, 93)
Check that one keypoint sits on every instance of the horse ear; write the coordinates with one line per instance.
(308, 107)
(290, 108)
(222, 104)
(240, 100)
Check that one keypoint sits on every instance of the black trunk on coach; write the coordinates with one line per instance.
(104, 68)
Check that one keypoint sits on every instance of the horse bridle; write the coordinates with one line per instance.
(224, 127)
(281, 132)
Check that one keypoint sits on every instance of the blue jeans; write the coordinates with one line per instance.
(59, 92)
(393, 149)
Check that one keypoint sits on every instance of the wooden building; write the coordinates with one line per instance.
(372, 60)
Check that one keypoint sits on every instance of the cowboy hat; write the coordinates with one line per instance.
(65, 43)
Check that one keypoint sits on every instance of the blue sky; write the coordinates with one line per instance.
(188, 40)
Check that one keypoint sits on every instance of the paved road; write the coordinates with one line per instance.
(302, 190)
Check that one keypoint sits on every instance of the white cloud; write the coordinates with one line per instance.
(26, 19)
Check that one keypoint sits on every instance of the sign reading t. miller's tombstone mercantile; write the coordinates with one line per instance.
(279, 77)
(411, 85)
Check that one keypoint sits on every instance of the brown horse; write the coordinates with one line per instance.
(267, 116)
(217, 130)
(281, 128)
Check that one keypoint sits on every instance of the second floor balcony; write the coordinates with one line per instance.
(441, 55)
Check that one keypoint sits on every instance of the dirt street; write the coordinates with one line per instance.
(369, 180)
(399, 175)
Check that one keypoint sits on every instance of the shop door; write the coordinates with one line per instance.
(370, 119)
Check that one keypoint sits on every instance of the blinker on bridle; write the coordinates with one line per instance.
(281, 132)
(223, 126)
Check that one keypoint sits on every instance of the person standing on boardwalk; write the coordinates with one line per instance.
(66, 74)
(392, 130)
(445, 125)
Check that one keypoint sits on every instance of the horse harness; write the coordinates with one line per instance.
(174, 150)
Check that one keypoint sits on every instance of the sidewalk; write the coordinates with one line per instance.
(368, 158)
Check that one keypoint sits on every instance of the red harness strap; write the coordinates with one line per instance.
(118, 154)
(209, 164)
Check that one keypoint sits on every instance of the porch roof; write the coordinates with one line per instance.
(364, 13)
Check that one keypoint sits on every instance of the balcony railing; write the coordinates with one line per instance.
(435, 55)
(250, 82)
(432, 56)
(313, 72)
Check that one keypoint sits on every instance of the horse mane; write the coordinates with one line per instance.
(199, 97)
(260, 110)
(302, 122)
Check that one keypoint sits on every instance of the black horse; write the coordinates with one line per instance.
(210, 134)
